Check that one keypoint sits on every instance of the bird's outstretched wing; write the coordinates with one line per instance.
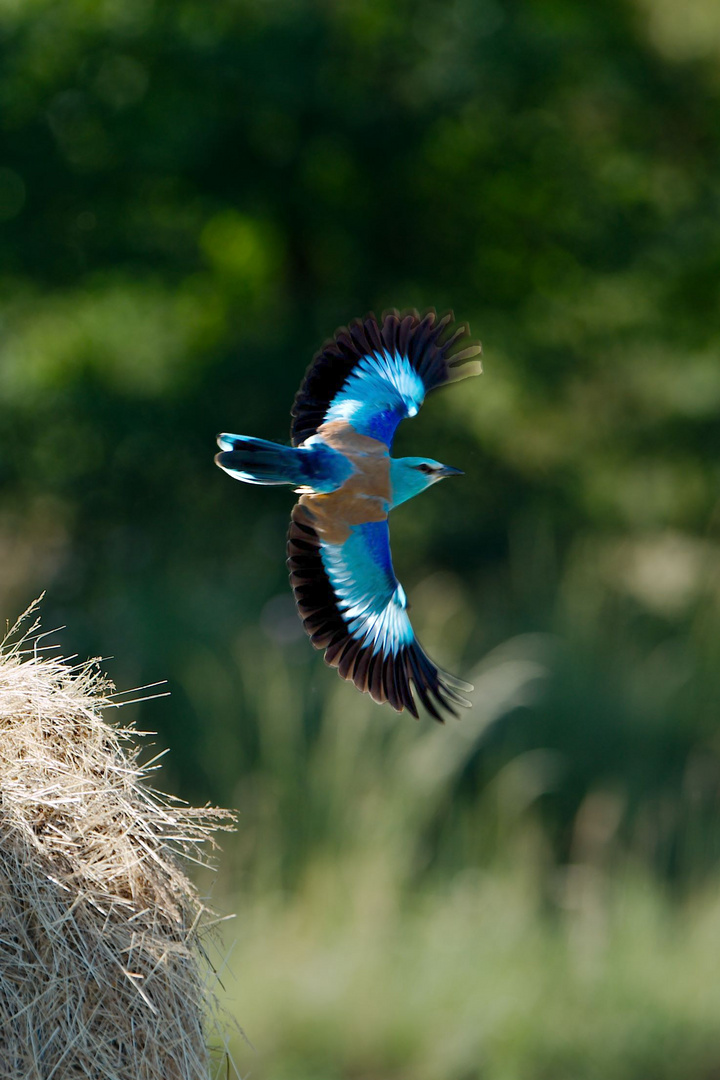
(354, 608)
(374, 373)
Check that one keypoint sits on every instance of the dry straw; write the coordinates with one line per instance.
(102, 969)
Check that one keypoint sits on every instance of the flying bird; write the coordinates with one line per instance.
(358, 388)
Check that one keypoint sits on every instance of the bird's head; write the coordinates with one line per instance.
(411, 475)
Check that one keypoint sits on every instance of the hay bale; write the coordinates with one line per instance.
(101, 973)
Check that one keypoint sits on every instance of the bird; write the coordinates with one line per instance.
(371, 375)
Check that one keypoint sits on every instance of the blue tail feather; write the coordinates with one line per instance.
(257, 461)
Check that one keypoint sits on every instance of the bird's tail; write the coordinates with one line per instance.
(257, 461)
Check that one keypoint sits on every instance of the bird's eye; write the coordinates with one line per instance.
(425, 468)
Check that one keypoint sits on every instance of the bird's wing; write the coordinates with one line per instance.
(354, 608)
(374, 373)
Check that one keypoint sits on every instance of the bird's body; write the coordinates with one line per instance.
(355, 393)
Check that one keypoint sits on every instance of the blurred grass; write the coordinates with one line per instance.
(397, 921)
(390, 928)
(473, 978)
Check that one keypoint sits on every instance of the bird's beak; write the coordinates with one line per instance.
(447, 470)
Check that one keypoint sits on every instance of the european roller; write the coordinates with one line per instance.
(358, 388)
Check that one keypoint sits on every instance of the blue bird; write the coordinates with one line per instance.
(358, 388)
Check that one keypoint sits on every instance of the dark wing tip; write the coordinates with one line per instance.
(437, 689)
(431, 342)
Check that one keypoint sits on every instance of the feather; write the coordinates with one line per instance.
(379, 372)
(353, 608)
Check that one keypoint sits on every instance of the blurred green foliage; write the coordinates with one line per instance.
(193, 196)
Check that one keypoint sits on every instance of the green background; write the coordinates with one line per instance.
(193, 196)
